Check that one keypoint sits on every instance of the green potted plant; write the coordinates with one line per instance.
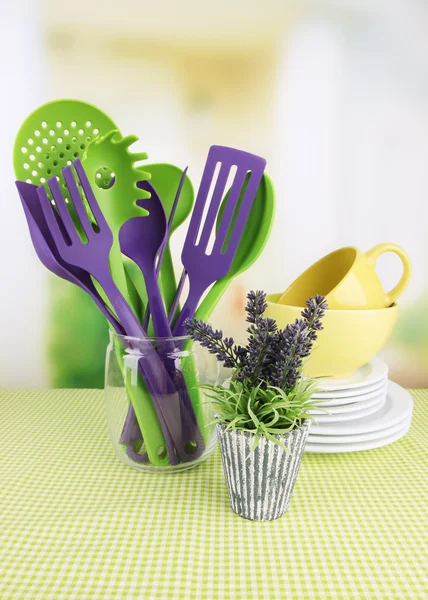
(262, 411)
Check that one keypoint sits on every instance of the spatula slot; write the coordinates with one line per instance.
(213, 236)
(202, 219)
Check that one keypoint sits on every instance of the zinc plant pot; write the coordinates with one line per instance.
(260, 482)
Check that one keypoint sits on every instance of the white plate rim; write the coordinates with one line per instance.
(379, 371)
(352, 392)
(354, 399)
(359, 437)
(358, 446)
(350, 407)
(403, 407)
(346, 417)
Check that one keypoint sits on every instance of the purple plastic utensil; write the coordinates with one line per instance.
(48, 254)
(93, 256)
(164, 245)
(141, 239)
(203, 268)
(130, 430)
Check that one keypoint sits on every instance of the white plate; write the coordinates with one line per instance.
(372, 372)
(352, 392)
(359, 437)
(358, 446)
(398, 405)
(357, 398)
(352, 416)
(350, 407)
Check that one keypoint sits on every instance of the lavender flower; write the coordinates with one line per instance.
(212, 340)
(271, 357)
(256, 305)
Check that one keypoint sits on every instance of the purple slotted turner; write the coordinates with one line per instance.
(204, 269)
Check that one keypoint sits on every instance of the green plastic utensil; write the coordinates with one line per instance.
(110, 167)
(165, 178)
(253, 241)
(54, 135)
(109, 157)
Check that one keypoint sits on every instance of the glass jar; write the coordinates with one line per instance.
(159, 417)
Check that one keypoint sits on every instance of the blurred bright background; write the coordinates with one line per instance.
(333, 93)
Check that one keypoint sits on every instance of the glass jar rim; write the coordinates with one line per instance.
(148, 339)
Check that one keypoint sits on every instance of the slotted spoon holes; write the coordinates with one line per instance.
(54, 144)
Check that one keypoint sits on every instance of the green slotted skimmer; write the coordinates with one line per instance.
(52, 137)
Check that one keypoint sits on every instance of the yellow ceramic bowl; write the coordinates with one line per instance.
(350, 338)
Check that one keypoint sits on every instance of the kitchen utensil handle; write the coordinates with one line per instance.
(147, 365)
(398, 290)
(165, 245)
(167, 278)
(171, 219)
(173, 309)
(189, 421)
(188, 311)
(178, 416)
(156, 305)
(208, 304)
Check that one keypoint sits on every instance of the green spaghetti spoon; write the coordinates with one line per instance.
(165, 178)
(110, 168)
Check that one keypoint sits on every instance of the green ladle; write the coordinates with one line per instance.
(253, 241)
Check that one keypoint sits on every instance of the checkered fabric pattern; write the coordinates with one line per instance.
(77, 523)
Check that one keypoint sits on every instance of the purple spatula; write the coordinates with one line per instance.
(48, 254)
(204, 268)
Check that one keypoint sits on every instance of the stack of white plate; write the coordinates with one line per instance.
(361, 412)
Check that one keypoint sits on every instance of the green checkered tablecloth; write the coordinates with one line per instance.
(76, 523)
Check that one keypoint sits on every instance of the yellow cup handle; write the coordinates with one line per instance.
(374, 254)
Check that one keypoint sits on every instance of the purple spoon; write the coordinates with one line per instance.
(141, 239)
(131, 431)
(164, 245)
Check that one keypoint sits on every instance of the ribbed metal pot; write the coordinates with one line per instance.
(260, 482)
